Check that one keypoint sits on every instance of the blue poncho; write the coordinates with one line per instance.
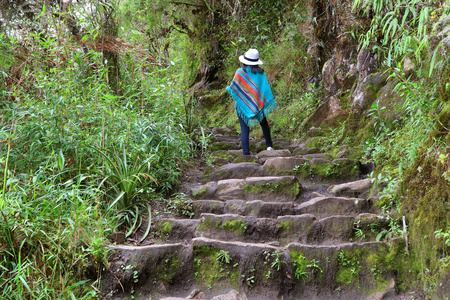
(253, 96)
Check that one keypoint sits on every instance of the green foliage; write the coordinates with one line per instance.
(127, 177)
(46, 222)
(181, 205)
(63, 126)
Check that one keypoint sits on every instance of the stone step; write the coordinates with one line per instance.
(316, 168)
(261, 271)
(237, 171)
(359, 188)
(323, 207)
(282, 230)
(169, 230)
(273, 189)
(255, 208)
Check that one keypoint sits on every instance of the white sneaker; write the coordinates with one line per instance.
(269, 148)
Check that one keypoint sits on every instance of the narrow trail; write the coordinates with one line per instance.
(292, 223)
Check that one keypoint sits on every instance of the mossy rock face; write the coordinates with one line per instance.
(143, 269)
(366, 92)
(315, 142)
(338, 169)
(209, 101)
(168, 268)
(319, 167)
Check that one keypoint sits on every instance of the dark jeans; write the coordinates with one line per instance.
(245, 130)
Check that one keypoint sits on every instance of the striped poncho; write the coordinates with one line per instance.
(253, 96)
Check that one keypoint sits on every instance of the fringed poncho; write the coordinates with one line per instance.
(253, 96)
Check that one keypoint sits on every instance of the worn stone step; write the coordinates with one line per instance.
(359, 188)
(282, 230)
(237, 171)
(273, 189)
(316, 168)
(255, 208)
(173, 230)
(261, 271)
(265, 154)
(323, 207)
(224, 131)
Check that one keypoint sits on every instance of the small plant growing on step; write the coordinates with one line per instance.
(223, 256)
(181, 205)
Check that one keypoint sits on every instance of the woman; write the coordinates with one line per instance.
(253, 95)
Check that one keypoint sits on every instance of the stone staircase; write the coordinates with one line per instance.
(291, 223)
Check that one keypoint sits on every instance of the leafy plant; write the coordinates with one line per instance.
(223, 256)
(126, 177)
(181, 205)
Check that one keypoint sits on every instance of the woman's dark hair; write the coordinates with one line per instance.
(255, 69)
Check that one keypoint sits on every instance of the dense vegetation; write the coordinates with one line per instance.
(103, 103)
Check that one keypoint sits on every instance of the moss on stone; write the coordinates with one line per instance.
(320, 170)
(300, 265)
(205, 225)
(200, 193)
(349, 267)
(165, 227)
(168, 267)
(237, 226)
(210, 271)
(271, 188)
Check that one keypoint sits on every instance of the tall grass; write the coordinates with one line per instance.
(56, 213)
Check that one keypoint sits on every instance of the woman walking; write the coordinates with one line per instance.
(254, 99)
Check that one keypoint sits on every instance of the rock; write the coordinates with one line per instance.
(280, 188)
(208, 206)
(237, 171)
(388, 293)
(204, 191)
(313, 131)
(348, 153)
(232, 295)
(366, 62)
(331, 112)
(117, 237)
(366, 92)
(305, 150)
(326, 206)
(230, 189)
(223, 131)
(284, 163)
(196, 294)
(326, 156)
(247, 158)
(264, 155)
(443, 287)
(224, 146)
(351, 189)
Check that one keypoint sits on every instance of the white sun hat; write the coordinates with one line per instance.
(251, 58)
